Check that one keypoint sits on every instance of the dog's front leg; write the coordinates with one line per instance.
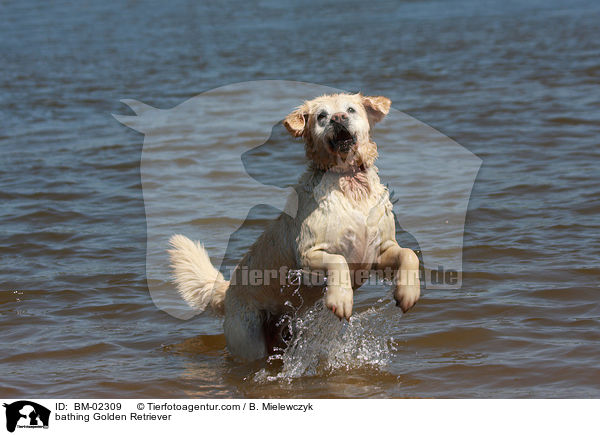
(339, 295)
(405, 263)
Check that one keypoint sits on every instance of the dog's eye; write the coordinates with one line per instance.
(351, 110)
(321, 116)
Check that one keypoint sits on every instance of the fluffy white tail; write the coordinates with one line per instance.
(198, 282)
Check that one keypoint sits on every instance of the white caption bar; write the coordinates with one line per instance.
(206, 416)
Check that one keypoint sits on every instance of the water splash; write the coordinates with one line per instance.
(321, 343)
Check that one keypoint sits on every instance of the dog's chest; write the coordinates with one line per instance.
(349, 222)
(354, 228)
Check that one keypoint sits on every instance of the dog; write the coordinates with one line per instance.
(344, 226)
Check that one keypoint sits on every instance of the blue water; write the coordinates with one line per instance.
(515, 83)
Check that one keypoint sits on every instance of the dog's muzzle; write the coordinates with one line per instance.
(342, 140)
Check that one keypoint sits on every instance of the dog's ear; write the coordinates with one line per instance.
(297, 121)
(376, 107)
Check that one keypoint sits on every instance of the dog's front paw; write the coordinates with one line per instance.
(339, 300)
(406, 296)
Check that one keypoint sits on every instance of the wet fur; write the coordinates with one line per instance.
(344, 223)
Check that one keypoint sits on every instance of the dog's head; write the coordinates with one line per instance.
(336, 129)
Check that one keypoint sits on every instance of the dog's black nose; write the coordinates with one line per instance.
(339, 117)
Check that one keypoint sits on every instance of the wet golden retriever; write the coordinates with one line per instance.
(343, 226)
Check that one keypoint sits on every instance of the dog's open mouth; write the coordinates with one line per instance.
(342, 140)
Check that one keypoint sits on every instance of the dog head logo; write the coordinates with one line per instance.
(221, 165)
(26, 414)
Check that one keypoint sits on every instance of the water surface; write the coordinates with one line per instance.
(515, 83)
